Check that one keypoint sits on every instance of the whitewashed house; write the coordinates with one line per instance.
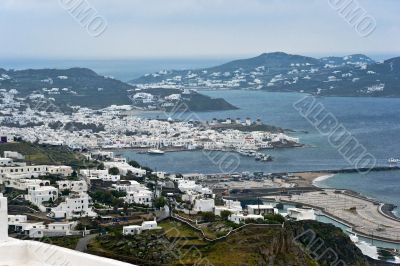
(73, 206)
(73, 186)
(137, 229)
(144, 197)
(13, 155)
(21, 169)
(6, 161)
(124, 168)
(300, 214)
(262, 209)
(37, 194)
(25, 252)
(204, 205)
(234, 207)
(23, 184)
(241, 218)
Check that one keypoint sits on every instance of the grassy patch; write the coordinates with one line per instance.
(65, 241)
(43, 154)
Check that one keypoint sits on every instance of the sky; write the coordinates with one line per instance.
(193, 28)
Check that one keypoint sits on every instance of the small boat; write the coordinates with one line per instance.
(393, 161)
(263, 157)
(266, 158)
(243, 152)
(155, 152)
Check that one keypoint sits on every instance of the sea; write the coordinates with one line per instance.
(374, 122)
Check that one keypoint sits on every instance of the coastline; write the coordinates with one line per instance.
(309, 179)
(316, 182)
(313, 179)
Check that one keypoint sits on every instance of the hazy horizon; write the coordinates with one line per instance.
(193, 28)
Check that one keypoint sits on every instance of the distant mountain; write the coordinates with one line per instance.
(83, 87)
(271, 60)
(352, 75)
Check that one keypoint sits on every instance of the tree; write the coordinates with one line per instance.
(134, 164)
(101, 166)
(113, 171)
(160, 202)
(102, 196)
(275, 218)
(118, 194)
(208, 216)
(225, 214)
(117, 203)
(66, 192)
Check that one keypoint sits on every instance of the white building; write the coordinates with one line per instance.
(234, 207)
(137, 229)
(23, 184)
(3, 219)
(136, 193)
(17, 219)
(133, 186)
(204, 205)
(299, 214)
(124, 168)
(190, 185)
(100, 174)
(74, 186)
(15, 252)
(241, 218)
(74, 206)
(6, 162)
(13, 155)
(37, 195)
(262, 209)
(35, 170)
(59, 229)
(110, 178)
(144, 197)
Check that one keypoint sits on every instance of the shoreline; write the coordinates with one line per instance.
(321, 178)
(336, 205)
(314, 178)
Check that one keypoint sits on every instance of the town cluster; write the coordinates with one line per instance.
(62, 194)
(116, 127)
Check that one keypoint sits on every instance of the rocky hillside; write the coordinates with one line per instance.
(179, 244)
(353, 75)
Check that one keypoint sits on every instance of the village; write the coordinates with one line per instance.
(59, 195)
(117, 127)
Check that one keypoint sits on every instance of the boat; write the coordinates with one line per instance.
(263, 157)
(245, 152)
(266, 158)
(393, 161)
(155, 152)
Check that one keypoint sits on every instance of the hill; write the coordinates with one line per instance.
(83, 87)
(178, 244)
(352, 75)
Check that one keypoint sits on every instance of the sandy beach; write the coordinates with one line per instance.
(308, 179)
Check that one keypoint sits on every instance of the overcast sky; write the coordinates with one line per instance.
(192, 28)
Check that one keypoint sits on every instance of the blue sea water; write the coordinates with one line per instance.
(374, 122)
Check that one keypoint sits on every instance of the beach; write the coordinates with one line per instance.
(309, 179)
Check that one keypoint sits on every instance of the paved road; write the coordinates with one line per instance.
(83, 242)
